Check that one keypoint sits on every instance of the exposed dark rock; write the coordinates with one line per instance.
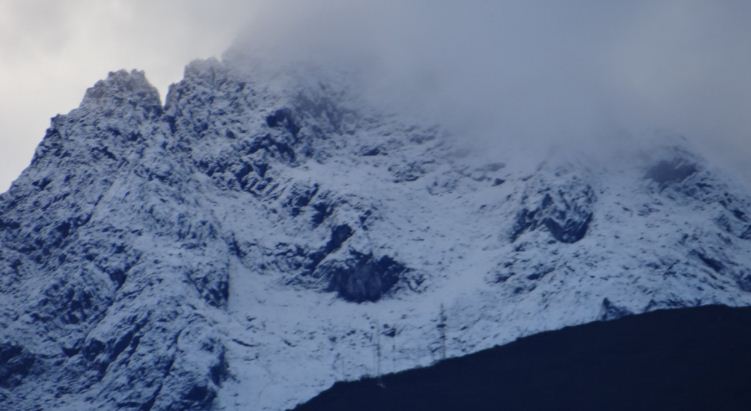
(744, 281)
(211, 280)
(406, 172)
(566, 212)
(233, 173)
(362, 277)
(15, 364)
(71, 303)
(116, 261)
(283, 118)
(219, 372)
(570, 230)
(713, 263)
(8, 225)
(274, 148)
(102, 354)
(667, 172)
(740, 215)
(503, 276)
(93, 349)
(611, 311)
(290, 258)
(540, 272)
(370, 152)
(323, 209)
(199, 394)
(746, 234)
(42, 184)
(339, 234)
(300, 197)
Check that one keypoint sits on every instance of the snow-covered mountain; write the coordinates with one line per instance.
(260, 236)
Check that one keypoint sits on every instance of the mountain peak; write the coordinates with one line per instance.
(265, 220)
(123, 86)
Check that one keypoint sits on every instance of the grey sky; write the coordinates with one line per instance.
(501, 72)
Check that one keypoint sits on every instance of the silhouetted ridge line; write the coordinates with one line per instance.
(685, 359)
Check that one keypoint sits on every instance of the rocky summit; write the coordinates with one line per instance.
(259, 237)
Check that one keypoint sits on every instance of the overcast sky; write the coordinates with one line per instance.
(500, 71)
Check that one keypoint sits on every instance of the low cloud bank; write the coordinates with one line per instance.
(541, 72)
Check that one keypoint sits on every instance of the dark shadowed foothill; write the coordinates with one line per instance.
(687, 359)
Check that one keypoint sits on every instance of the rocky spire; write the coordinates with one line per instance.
(123, 87)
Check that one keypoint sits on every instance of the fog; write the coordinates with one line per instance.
(543, 73)
(497, 73)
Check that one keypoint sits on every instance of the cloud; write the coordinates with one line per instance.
(580, 72)
(686, 67)
(499, 73)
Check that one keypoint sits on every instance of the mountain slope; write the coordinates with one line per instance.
(682, 359)
(248, 243)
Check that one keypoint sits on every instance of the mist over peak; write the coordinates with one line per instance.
(534, 75)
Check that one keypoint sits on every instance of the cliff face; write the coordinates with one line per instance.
(97, 291)
(250, 242)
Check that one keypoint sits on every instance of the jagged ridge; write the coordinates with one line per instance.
(192, 255)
